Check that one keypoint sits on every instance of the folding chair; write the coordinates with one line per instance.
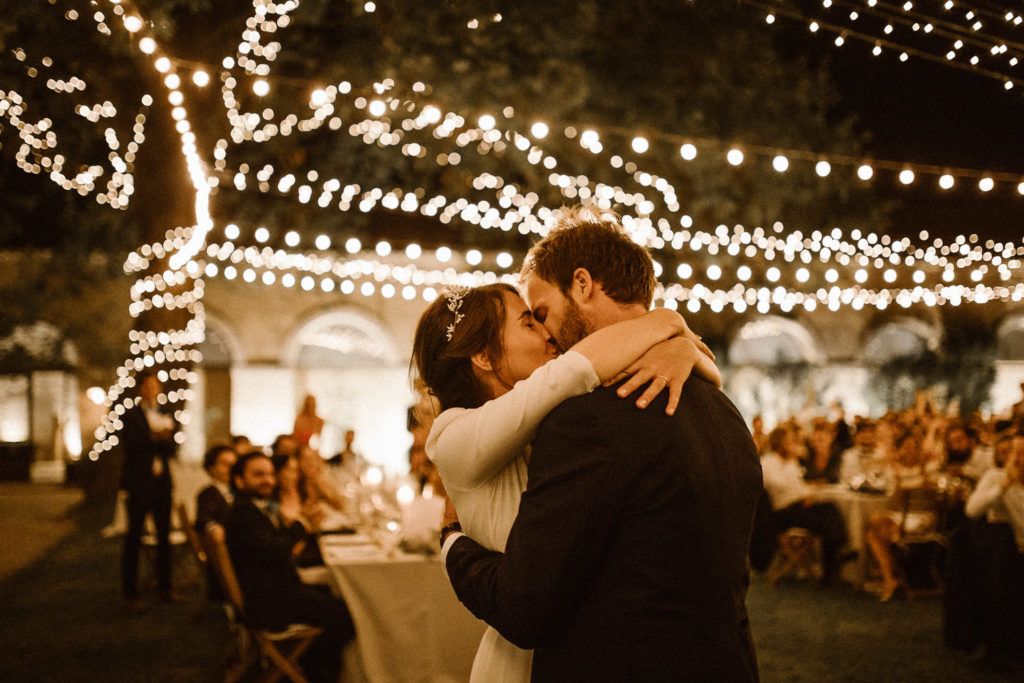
(192, 540)
(799, 551)
(925, 545)
(269, 644)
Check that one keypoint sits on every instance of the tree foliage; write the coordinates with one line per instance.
(701, 69)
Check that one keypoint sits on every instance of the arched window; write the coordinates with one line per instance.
(1011, 338)
(348, 361)
(221, 348)
(773, 341)
(905, 338)
(770, 361)
(341, 339)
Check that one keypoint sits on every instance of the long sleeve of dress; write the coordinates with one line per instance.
(471, 446)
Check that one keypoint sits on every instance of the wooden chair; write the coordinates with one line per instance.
(921, 544)
(269, 645)
(195, 543)
(799, 552)
(192, 540)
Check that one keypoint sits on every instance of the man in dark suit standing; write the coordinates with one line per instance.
(628, 558)
(149, 445)
(262, 547)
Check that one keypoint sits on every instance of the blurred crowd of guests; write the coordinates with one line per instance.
(267, 506)
(973, 470)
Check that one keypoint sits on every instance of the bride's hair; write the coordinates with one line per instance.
(444, 367)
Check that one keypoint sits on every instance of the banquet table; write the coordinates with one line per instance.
(409, 624)
(856, 507)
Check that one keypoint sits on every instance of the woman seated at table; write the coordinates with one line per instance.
(314, 484)
(794, 503)
(295, 507)
(823, 458)
(911, 467)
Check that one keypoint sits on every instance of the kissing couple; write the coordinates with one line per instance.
(604, 495)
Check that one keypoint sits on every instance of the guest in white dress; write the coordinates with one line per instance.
(496, 375)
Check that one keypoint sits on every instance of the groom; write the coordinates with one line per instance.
(628, 558)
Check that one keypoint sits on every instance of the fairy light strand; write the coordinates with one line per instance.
(905, 51)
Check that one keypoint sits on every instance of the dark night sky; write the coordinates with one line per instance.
(928, 113)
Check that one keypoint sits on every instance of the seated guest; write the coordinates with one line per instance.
(284, 446)
(999, 495)
(314, 483)
(793, 500)
(290, 500)
(214, 502)
(241, 444)
(260, 544)
(963, 454)
(348, 465)
(998, 542)
(823, 457)
(910, 468)
(294, 507)
(862, 462)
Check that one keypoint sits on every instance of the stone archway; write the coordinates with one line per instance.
(211, 403)
(772, 364)
(348, 360)
(1007, 387)
(903, 337)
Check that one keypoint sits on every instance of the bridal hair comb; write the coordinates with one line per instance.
(453, 297)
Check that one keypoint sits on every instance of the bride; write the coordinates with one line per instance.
(496, 374)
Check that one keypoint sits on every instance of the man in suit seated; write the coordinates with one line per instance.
(213, 503)
(262, 547)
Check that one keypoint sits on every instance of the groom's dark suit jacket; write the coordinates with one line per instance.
(628, 560)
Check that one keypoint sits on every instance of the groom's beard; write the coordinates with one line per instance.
(573, 329)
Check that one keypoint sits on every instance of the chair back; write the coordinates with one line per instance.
(217, 552)
(922, 499)
(194, 542)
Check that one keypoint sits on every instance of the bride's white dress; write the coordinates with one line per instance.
(481, 455)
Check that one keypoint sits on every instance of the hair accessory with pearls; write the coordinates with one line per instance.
(453, 296)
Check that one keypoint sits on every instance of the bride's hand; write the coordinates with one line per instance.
(668, 365)
(450, 515)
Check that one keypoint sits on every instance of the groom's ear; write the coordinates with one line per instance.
(582, 284)
(481, 361)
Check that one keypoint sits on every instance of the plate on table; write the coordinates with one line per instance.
(355, 538)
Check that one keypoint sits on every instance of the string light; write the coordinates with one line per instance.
(507, 209)
(1005, 53)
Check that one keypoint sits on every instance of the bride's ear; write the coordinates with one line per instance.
(481, 362)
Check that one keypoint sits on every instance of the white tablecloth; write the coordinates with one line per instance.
(856, 509)
(410, 627)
